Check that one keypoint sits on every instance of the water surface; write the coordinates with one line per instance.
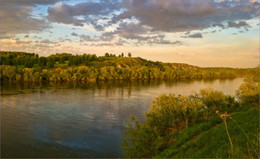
(81, 119)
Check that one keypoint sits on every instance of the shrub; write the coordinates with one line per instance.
(214, 100)
(249, 91)
(168, 114)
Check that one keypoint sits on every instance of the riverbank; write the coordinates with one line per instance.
(206, 124)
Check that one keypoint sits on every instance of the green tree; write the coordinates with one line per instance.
(168, 114)
(249, 91)
(50, 62)
(42, 61)
(106, 54)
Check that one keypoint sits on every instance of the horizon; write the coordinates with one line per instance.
(126, 56)
(219, 33)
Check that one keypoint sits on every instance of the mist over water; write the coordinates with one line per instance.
(81, 119)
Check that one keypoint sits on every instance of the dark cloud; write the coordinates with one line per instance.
(195, 35)
(17, 19)
(120, 42)
(74, 34)
(165, 16)
(127, 31)
(160, 39)
(28, 2)
(135, 31)
(79, 14)
(219, 25)
(16, 16)
(86, 38)
(170, 15)
(186, 15)
(26, 36)
(238, 24)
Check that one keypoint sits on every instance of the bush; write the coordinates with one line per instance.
(140, 140)
(168, 114)
(249, 91)
(214, 100)
(171, 114)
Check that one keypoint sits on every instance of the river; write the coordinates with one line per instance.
(81, 119)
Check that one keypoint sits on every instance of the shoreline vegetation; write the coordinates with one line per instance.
(30, 67)
(207, 124)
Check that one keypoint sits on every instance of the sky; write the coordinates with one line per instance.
(207, 33)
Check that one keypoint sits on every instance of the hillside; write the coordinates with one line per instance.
(209, 139)
(20, 66)
(30, 60)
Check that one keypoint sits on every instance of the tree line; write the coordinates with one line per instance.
(21, 66)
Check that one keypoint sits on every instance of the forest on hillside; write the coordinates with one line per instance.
(30, 67)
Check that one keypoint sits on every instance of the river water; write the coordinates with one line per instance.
(81, 119)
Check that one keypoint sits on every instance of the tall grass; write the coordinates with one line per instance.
(213, 141)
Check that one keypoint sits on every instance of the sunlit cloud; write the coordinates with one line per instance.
(199, 32)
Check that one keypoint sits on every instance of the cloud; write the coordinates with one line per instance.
(186, 15)
(47, 41)
(135, 31)
(16, 16)
(157, 15)
(218, 25)
(82, 13)
(238, 24)
(86, 38)
(28, 2)
(127, 31)
(74, 34)
(170, 15)
(164, 16)
(123, 22)
(195, 35)
(17, 19)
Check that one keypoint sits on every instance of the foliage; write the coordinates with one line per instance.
(169, 118)
(144, 140)
(216, 100)
(89, 67)
(172, 112)
(208, 139)
(168, 114)
(249, 91)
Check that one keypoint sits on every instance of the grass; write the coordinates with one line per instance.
(209, 139)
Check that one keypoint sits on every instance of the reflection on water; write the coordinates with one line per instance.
(81, 119)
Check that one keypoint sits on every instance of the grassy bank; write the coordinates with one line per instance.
(207, 124)
(210, 140)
